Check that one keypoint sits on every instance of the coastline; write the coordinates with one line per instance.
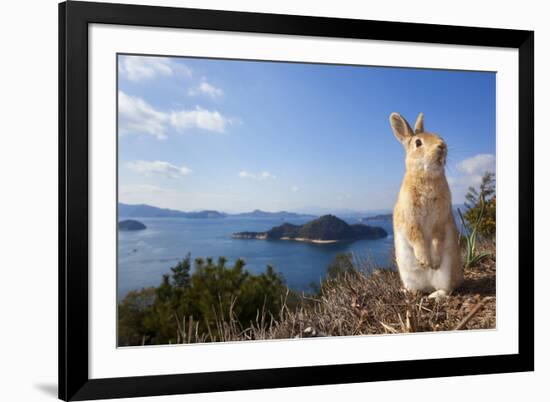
(317, 241)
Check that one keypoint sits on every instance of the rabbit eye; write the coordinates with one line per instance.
(418, 143)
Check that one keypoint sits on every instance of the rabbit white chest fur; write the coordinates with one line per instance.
(426, 239)
(440, 270)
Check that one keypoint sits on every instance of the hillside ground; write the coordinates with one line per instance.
(373, 302)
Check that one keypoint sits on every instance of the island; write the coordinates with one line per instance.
(148, 211)
(208, 214)
(378, 218)
(131, 225)
(258, 213)
(326, 229)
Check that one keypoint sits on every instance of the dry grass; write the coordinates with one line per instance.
(361, 303)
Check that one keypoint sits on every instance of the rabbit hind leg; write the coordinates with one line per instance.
(413, 275)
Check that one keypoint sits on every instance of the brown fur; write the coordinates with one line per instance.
(423, 210)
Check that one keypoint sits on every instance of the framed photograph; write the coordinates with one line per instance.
(258, 201)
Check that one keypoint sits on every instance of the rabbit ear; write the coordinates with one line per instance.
(419, 125)
(400, 127)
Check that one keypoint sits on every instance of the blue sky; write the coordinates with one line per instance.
(240, 135)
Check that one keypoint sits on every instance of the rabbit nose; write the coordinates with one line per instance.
(441, 148)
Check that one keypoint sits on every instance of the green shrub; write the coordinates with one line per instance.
(211, 294)
(479, 220)
(478, 199)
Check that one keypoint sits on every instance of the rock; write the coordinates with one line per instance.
(131, 225)
(311, 332)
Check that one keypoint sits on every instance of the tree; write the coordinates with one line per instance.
(131, 317)
(482, 200)
(180, 273)
(213, 293)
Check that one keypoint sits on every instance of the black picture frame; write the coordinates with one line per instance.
(74, 18)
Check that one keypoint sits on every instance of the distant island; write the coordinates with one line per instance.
(378, 218)
(257, 213)
(326, 229)
(205, 215)
(131, 225)
(148, 211)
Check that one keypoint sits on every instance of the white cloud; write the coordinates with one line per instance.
(243, 174)
(206, 89)
(469, 174)
(159, 168)
(137, 68)
(265, 175)
(136, 116)
(200, 118)
(295, 188)
(477, 164)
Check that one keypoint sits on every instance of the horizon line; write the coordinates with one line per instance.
(350, 210)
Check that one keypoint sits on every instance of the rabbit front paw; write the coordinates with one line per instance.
(424, 261)
(436, 263)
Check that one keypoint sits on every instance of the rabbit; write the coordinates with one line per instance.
(427, 248)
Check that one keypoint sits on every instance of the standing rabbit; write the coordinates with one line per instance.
(427, 247)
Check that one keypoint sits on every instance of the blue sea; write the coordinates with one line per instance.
(144, 256)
